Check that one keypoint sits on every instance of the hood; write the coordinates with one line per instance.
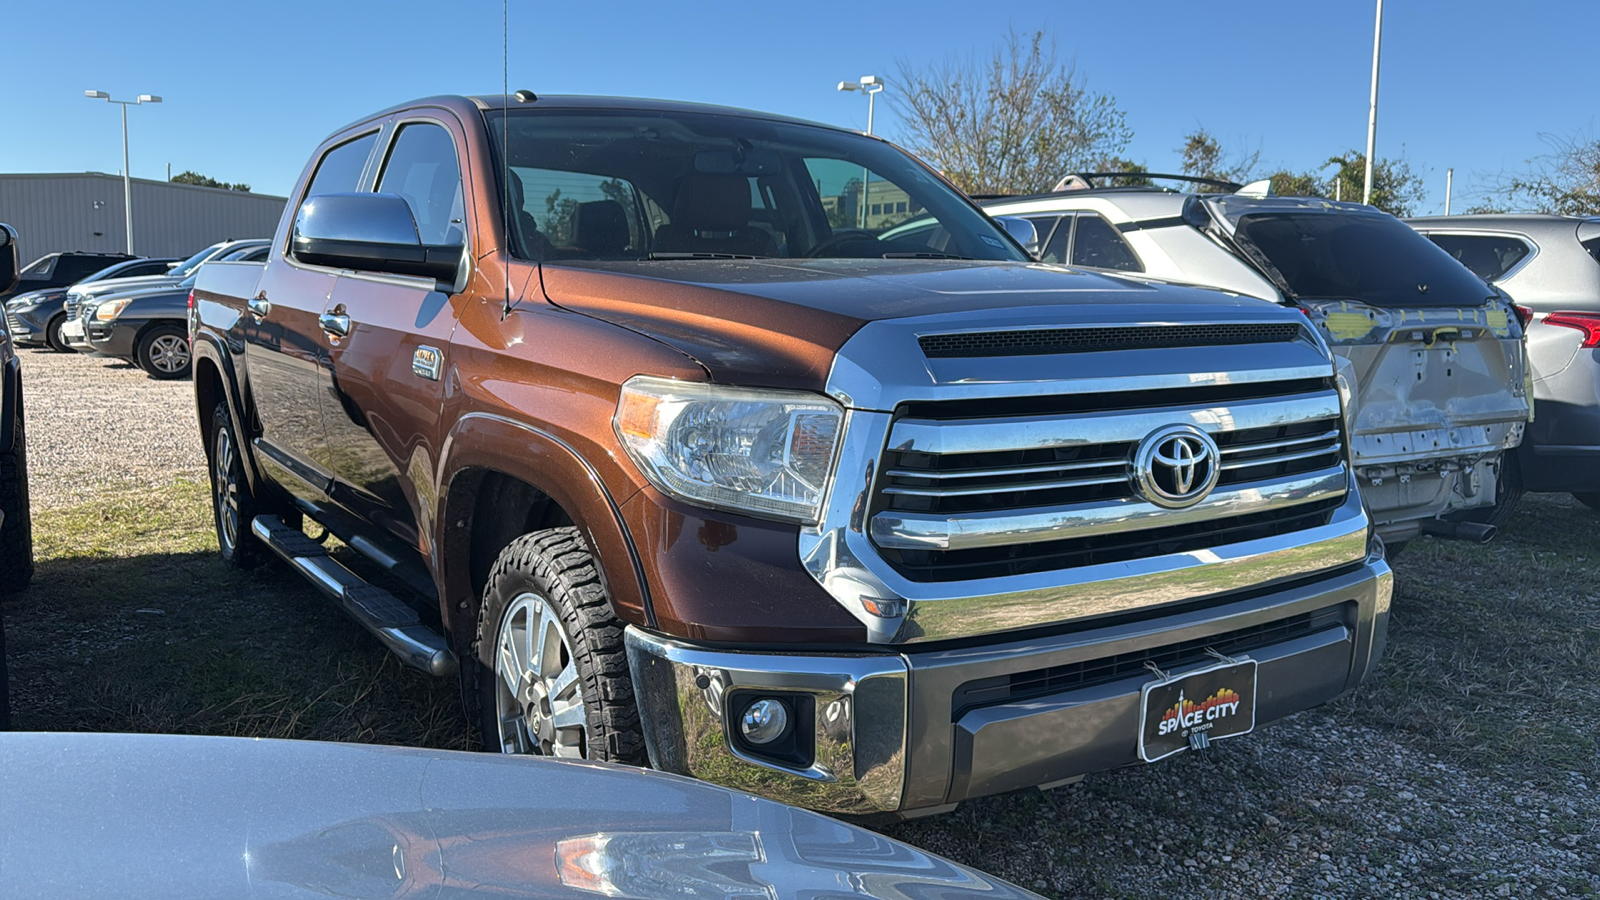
(778, 323)
(39, 296)
(142, 282)
(299, 820)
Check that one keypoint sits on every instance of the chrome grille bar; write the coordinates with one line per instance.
(1082, 429)
(913, 531)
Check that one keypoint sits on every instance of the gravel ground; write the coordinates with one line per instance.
(98, 423)
(1466, 767)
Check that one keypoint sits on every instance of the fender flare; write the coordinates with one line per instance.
(556, 468)
(205, 346)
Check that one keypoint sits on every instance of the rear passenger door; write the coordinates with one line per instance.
(284, 345)
(381, 383)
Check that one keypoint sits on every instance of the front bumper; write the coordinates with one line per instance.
(895, 734)
(114, 338)
(26, 325)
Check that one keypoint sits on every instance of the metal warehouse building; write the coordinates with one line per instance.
(84, 212)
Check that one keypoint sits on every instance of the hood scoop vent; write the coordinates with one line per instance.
(1044, 341)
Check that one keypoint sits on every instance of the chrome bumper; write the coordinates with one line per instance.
(890, 740)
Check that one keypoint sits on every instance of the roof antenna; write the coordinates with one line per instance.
(505, 159)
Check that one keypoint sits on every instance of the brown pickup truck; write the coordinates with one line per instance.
(750, 449)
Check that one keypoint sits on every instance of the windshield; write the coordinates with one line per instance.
(1372, 259)
(193, 262)
(593, 185)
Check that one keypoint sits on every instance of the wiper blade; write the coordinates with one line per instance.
(696, 255)
(922, 255)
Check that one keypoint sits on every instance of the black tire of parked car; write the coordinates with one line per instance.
(53, 337)
(555, 564)
(163, 352)
(1507, 494)
(16, 533)
(231, 497)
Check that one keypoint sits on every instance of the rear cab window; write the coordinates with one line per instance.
(1489, 256)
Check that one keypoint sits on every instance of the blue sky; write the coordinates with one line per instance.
(250, 88)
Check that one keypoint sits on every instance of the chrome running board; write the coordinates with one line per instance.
(391, 621)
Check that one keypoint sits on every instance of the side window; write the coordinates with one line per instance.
(340, 169)
(1097, 245)
(1053, 243)
(77, 268)
(159, 268)
(422, 168)
(1489, 256)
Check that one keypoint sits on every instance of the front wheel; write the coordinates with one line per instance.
(53, 336)
(552, 674)
(163, 352)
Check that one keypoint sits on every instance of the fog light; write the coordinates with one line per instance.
(764, 721)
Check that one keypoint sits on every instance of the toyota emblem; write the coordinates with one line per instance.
(1176, 466)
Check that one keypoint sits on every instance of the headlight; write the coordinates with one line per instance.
(105, 312)
(770, 453)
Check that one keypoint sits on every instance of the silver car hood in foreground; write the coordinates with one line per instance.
(172, 817)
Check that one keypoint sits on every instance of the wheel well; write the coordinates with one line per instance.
(486, 510)
(207, 394)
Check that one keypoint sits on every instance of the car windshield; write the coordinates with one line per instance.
(610, 185)
(193, 262)
(1373, 259)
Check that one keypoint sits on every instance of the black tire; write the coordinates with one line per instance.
(233, 506)
(1590, 500)
(52, 335)
(163, 352)
(1507, 493)
(555, 568)
(16, 533)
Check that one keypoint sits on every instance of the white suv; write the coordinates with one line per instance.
(1435, 356)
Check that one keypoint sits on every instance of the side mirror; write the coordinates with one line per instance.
(369, 233)
(1022, 231)
(8, 259)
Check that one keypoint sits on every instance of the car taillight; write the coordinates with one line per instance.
(191, 301)
(1588, 323)
(1524, 315)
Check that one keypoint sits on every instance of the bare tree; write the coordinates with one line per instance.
(1565, 181)
(1204, 157)
(1012, 123)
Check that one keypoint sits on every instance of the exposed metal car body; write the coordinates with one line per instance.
(36, 317)
(1436, 363)
(95, 817)
(1551, 265)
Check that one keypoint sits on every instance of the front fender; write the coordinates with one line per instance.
(485, 441)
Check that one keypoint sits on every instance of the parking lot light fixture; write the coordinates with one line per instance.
(127, 180)
(869, 85)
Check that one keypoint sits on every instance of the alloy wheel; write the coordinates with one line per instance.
(538, 697)
(226, 489)
(170, 353)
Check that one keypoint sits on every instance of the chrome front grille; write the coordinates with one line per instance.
(14, 324)
(1037, 341)
(72, 305)
(985, 496)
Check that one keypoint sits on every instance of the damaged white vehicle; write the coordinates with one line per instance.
(1433, 356)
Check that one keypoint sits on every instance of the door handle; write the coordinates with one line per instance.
(338, 326)
(259, 307)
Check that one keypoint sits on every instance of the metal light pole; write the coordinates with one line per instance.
(869, 85)
(1449, 183)
(1372, 108)
(127, 180)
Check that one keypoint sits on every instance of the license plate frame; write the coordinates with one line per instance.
(1233, 681)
